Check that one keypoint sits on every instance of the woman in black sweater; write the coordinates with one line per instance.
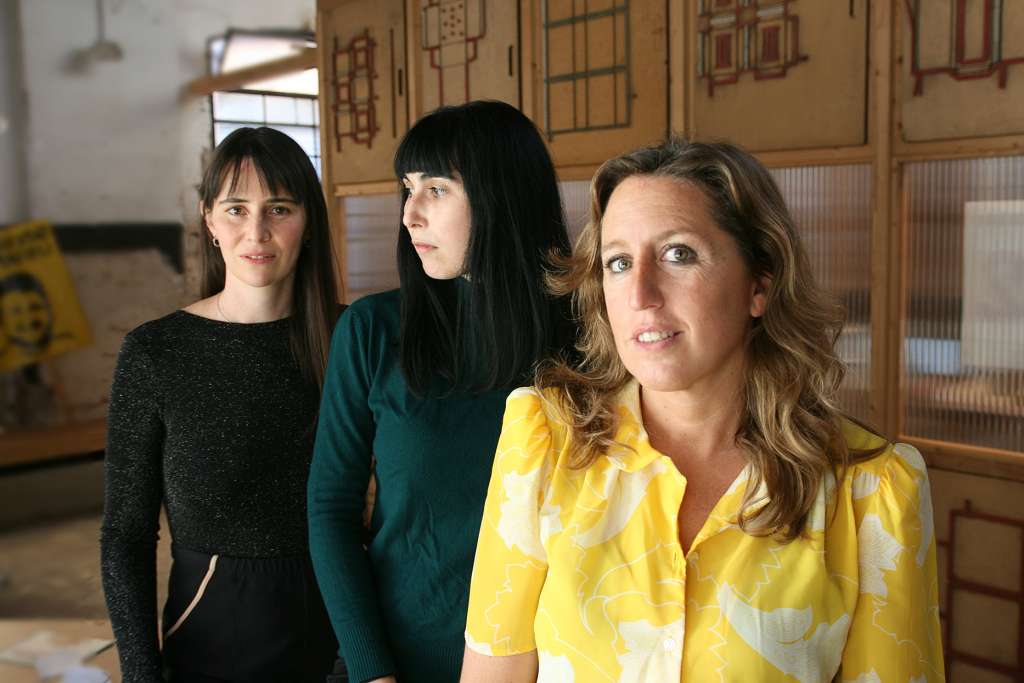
(212, 414)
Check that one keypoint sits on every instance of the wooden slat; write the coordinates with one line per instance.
(527, 67)
(35, 445)
(307, 59)
(413, 98)
(825, 156)
(584, 172)
(362, 189)
(1005, 145)
(884, 244)
(985, 462)
(679, 66)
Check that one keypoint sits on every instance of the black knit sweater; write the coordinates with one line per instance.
(215, 421)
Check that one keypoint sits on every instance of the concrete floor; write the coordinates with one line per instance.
(52, 569)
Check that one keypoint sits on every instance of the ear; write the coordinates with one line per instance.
(202, 218)
(759, 295)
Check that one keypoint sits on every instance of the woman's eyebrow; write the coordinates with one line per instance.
(423, 177)
(660, 237)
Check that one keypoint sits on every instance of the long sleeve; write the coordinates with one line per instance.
(338, 480)
(511, 560)
(133, 494)
(895, 633)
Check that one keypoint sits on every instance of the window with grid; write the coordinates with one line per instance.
(287, 102)
(295, 115)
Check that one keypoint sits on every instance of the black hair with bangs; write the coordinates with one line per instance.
(490, 328)
(284, 169)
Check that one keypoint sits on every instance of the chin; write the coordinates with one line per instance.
(662, 379)
(439, 274)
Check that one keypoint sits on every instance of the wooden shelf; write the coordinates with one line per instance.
(24, 446)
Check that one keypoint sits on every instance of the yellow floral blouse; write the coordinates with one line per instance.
(586, 568)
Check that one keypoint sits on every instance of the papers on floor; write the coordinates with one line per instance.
(52, 656)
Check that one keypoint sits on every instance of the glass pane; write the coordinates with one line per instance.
(306, 137)
(237, 106)
(963, 353)
(576, 202)
(281, 109)
(831, 206)
(222, 130)
(372, 223)
(304, 111)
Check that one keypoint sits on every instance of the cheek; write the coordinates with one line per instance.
(291, 234)
(617, 309)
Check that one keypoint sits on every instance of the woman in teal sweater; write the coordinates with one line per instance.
(416, 385)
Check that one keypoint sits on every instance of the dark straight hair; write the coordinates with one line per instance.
(488, 330)
(284, 169)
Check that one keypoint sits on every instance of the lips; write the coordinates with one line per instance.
(258, 259)
(654, 335)
(422, 247)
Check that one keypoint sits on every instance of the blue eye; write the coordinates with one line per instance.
(617, 264)
(438, 191)
(679, 253)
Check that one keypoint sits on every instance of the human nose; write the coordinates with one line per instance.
(412, 216)
(258, 229)
(644, 288)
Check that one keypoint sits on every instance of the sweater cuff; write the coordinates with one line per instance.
(366, 653)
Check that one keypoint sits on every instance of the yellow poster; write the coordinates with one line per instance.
(40, 316)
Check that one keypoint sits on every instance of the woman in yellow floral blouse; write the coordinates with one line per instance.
(690, 504)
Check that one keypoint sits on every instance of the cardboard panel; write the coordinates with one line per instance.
(779, 74)
(365, 108)
(468, 50)
(601, 76)
(962, 72)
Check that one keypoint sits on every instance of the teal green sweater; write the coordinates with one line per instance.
(397, 599)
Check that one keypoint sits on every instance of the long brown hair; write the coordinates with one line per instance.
(791, 429)
(284, 168)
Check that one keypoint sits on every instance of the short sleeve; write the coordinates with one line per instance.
(511, 560)
(895, 634)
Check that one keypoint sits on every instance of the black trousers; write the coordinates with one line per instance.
(245, 619)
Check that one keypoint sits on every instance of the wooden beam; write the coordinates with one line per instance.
(984, 462)
(1002, 145)
(307, 59)
(363, 189)
(822, 156)
(885, 252)
(23, 446)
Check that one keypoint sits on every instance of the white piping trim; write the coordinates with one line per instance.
(195, 600)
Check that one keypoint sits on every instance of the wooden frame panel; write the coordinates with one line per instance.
(886, 150)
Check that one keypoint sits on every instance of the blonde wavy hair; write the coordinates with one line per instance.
(790, 432)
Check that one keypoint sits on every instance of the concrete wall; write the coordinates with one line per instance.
(13, 189)
(112, 143)
(115, 141)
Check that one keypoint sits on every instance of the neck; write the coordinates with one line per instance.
(697, 424)
(240, 303)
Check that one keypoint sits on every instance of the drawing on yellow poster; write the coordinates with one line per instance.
(40, 316)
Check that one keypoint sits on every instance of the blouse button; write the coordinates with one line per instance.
(669, 644)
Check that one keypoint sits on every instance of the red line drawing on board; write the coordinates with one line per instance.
(957, 583)
(354, 97)
(758, 37)
(961, 66)
(451, 31)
